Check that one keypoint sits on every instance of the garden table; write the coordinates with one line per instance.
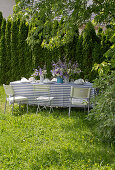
(60, 92)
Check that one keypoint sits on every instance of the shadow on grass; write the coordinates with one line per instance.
(71, 158)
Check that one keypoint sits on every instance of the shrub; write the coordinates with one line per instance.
(104, 103)
(104, 110)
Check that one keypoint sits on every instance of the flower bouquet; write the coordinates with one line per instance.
(39, 73)
(64, 69)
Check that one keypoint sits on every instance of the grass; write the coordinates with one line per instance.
(50, 141)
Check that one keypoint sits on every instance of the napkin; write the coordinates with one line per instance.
(24, 80)
(46, 80)
(79, 81)
(54, 80)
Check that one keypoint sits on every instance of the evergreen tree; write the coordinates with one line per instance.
(71, 47)
(79, 51)
(89, 40)
(1, 18)
(8, 50)
(3, 53)
(15, 50)
(23, 53)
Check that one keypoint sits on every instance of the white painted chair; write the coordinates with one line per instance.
(42, 95)
(79, 96)
(11, 98)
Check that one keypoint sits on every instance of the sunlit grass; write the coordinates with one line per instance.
(50, 141)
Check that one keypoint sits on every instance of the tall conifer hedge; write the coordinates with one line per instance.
(89, 40)
(3, 53)
(8, 50)
(18, 59)
(24, 52)
(1, 18)
(15, 50)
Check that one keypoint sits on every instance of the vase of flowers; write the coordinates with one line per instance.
(57, 71)
(59, 79)
(41, 78)
(39, 73)
(66, 79)
(64, 70)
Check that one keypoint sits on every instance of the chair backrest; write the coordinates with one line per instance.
(42, 89)
(80, 92)
(8, 90)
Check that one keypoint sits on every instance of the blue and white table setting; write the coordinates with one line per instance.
(60, 91)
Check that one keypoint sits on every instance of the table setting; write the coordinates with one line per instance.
(60, 83)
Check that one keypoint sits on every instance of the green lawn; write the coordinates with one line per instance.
(50, 141)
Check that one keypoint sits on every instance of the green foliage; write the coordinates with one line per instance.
(48, 12)
(8, 50)
(105, 43)
(1, 18)
(3, 54)
(91, 52)
(25, 62)
(75, 13)
(104, 110)
(79, 51)
(104, 103)
(104, 11)
(16, 1)
(15, 50)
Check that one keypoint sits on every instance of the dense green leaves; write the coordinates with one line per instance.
(8, 50)
(74, 13)
(90, 50)
(104, 110)
(1, 18)
(24, 51)
(3, 53)
(44, 13)
(104, 10)
(15, 50)
(104, 103)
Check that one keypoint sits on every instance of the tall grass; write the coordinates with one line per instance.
(50, 141)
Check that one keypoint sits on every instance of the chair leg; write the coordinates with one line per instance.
(5, 106)
(19, 106)
(84, 108)
(27, 107)
(51, 108)
(44, 107)
(69, 110)
(38, 108)
(88, 108)
(12, 108)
